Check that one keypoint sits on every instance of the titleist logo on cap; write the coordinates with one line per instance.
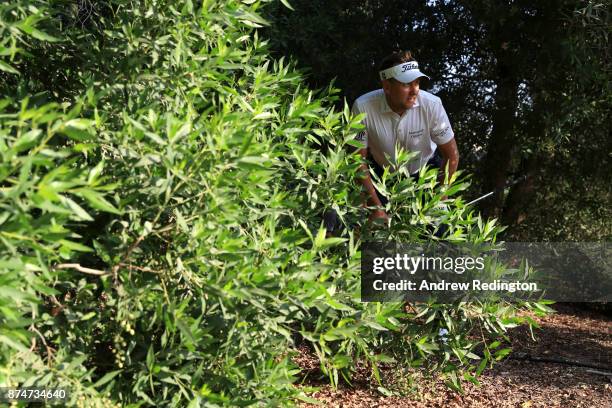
(391, 72)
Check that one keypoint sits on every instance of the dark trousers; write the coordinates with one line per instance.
(330, 218)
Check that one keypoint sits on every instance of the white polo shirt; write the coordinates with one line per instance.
(420, 128)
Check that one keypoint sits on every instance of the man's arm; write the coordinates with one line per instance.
(450, 156)
(372, 197)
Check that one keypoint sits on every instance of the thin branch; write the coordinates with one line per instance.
(169, 227)
(49, 349)
(98, 272)
(56, 302)
(132, 247)
(408, 305)
(33, 344)
(139, 268)
(80, 268)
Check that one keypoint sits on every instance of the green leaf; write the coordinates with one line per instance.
(383, 358)
(185, 330)
(339, 306)
(76, 362)
(376, 373)
(8, 68)
(181, 221)
(471, 379)
(195, 403)
(305, 398)
(11, 343)
(482, 366)
(454, 382)
(251, 19)
(75, 246)
(495, 344)
(150, 357)
(80, 213)
(97, 201)
(45, 289)
(337, 333)
(36, 33)
(500, 354)
(12, 293)
(254, 163)
(88, 316)
(106, 378)
(321, 242)
(472, 356)
(286, 4)
(95, 172)
(79, 123)
(27, 140)
(375, 325)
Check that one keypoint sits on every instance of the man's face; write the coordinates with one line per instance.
(400, 96)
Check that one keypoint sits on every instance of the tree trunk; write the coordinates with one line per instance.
(521, 194)
(501, 143)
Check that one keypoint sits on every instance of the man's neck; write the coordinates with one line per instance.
(399, 110)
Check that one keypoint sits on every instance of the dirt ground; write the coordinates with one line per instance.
(538, 374)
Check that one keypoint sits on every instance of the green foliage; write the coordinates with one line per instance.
(19, 25)
(161, 216)
(46, 191)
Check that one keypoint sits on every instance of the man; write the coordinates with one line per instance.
(400, 113)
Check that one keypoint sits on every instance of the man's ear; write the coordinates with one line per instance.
(386, 85)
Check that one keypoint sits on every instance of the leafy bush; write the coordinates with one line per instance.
(161, 215)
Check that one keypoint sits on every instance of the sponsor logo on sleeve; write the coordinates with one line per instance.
(441, 133)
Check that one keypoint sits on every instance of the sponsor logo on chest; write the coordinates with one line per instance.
(413, 134)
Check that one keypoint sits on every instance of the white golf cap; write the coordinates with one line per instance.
(404, 72)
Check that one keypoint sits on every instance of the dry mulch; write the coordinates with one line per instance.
(572, 334)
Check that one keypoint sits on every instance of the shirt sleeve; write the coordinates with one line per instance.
(362, 136)
(441, 131)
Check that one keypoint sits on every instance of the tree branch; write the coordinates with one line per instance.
(80, 268)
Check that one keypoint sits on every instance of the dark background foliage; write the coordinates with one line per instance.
(526, 85)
